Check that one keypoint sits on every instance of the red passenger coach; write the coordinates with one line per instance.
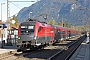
(33, 33)
(61, 33)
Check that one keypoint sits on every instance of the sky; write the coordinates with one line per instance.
(15, 7)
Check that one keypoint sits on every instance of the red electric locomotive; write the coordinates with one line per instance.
(33, 33)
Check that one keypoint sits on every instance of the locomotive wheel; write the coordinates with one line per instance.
(50, 44)
(19, 50)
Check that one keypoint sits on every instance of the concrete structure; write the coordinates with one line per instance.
(83, 52)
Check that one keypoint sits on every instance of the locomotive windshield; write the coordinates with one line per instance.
(27, 29)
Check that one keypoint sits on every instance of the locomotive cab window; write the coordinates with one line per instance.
(23, 28)
(27, 29)
(30, 28)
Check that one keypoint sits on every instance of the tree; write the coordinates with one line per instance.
(60, 23)
(16, 24)
(53, 22)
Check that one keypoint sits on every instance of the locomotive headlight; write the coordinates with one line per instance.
(35, 37)
(18, 38)
(18, 41)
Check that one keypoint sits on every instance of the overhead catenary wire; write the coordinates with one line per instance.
(9, 1)
(21, 1)
(16, 5)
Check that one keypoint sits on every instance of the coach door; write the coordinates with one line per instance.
(68, 34)
(57, 34)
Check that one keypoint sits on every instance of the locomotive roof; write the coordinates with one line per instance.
(29, 22)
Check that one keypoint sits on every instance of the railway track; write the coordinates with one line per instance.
(66, 54)
(48, 53)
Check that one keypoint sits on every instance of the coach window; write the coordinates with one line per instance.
(62, 32)
(69, 33)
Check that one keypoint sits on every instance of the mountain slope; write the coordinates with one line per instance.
(74, 12)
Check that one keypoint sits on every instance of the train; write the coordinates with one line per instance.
(34, 33)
